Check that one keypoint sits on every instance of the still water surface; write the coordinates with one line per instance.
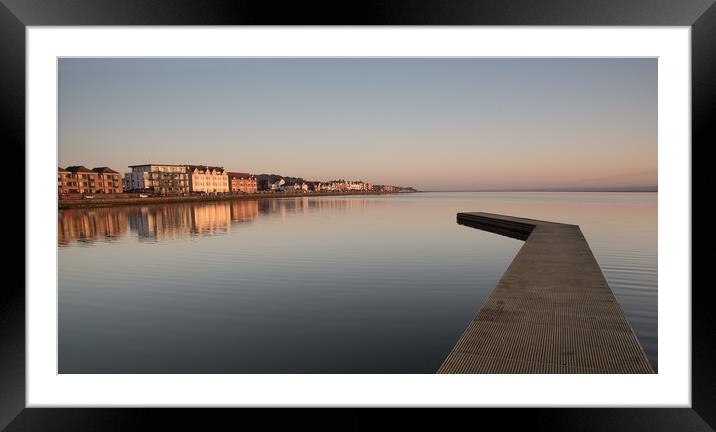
(359, 284)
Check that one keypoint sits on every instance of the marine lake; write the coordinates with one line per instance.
(334, 284)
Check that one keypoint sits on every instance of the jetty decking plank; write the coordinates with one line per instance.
(551, 312)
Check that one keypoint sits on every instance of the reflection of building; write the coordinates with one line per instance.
(155, 178)
(206, 179)
(79, 179)
(177, 221)
(90, 225)
(306, 205)
(161, 222)
(243, 211)
(181, 220)
(211, 217)
(242, 183)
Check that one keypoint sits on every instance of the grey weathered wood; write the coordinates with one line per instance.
(551, 312)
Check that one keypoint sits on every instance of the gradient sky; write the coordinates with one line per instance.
(435, 124)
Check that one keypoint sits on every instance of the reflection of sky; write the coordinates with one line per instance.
(429, 123)
(330, 284)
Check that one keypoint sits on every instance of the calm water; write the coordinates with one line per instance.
(372, 284)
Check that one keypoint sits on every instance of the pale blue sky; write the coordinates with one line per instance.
(430, 123)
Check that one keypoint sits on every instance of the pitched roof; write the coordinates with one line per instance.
(240, 175)
(153, 164)
(61, 169)
(105, 170)
(205, 168)
(78, 168)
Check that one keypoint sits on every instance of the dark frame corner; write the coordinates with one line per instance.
(700, 15)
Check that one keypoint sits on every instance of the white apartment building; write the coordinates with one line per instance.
(207, 179)
(157, 178)
(355, 186)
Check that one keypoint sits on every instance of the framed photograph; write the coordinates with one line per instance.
(421, 205)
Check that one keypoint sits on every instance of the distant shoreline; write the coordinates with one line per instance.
(118, 202)
(552, 190)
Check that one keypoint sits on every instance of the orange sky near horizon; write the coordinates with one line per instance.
(435, 124)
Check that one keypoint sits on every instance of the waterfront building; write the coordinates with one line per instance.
(108, 180)
(355, 186)
(345, 185)
(242, 183)
(277, 185)
(290, 187)
(339, 185)
(157, 178)
(80, 179)
(207, 179)
(84, 179)
(65, 182)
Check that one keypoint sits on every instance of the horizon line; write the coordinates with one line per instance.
(616, 189)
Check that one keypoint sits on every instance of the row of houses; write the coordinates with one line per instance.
(343, 185)
(79, 179)
(188, 179)
(332, 186)
(155, 178)
(183, 179)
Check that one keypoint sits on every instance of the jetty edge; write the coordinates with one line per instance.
(552, 311)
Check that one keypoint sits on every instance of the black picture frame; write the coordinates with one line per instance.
(699, 15)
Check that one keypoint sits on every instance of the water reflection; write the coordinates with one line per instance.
(291, 207)
(373, 284)
(90, 225)
(159, 223)
(177, 221)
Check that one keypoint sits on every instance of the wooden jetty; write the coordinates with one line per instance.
(551, 312)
